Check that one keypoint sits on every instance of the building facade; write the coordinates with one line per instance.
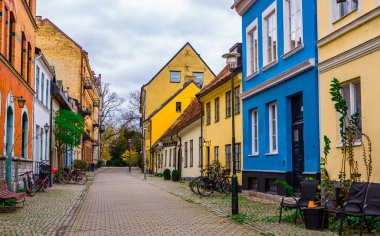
(17, 40)
(280, 93)
(349, 50)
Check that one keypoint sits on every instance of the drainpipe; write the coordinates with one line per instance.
(150, 145)
(179, 162)
(175, 151)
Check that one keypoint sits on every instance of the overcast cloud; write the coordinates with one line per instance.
(129, 41)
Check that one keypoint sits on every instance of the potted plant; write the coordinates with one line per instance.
(166, 174)
(175, 175)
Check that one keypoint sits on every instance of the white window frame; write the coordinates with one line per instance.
(352, 104)
(350, 8)
(287, 25)
(271, 10)
(252, 34)
(273, 117)
(255, 135)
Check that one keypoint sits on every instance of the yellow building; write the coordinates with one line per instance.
(217, 125)
(349, 50)
(169, 92)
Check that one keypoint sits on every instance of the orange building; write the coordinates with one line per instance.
(17, 40)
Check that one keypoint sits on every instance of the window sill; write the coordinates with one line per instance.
(349, 13)
(269, 65)
(237, 113)
(292, 51)
(228, 117)
(217, 121)
(253, 155)
(251, 76)
(271, 154)
(357, 143)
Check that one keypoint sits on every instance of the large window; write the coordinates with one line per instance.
(255, 132)
(343, 7)
(185, 161)
(47, 93)
(175, 76)
(37, 82)
(292, 24)
(270, 34)
(199, 76)
(351, 92)
(216, 153)
(228, 104)
(273, 127)
(208, 113)
(217, 108)
(238, 156)
(228, 157)
(237, 100)
(252, 48)
(11, 40)
(191, 153)
(42, 87)
(23, 55)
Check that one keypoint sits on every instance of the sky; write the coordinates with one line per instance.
(129, 41)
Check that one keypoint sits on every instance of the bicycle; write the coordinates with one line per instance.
(29, 186)
(72, 174)
(42, 182)
(194, 183)
(214, 181)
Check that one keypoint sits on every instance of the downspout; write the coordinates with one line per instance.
(175, 152)
(150, 146)
(179, 162)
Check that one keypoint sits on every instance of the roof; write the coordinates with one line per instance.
(187, 44)
(169, 99)
(222, 77)
(192, 113)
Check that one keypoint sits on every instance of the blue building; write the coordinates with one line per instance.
(280, 93)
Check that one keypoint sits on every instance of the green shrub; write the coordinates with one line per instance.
(175, 173)
(160, 174)
(166, 172)
(110, 163)
(100, 162)
(80, 164)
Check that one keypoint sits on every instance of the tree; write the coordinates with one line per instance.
(68, 128)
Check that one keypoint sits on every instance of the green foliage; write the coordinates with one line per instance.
(175, 173)
(166, 172)
(289, 189)
(68, 127)
(81, 164)
(100, 162)
(159, 174)
(239, 218)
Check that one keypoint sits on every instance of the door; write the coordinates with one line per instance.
(9, 147)
(297, 140)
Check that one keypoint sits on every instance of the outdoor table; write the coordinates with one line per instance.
(313, 217)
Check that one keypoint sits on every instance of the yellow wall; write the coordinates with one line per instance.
(219, 133)
(160, 88)
(365, 68)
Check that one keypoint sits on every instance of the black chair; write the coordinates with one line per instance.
(372, 204)
(354, 203)
(308, 193)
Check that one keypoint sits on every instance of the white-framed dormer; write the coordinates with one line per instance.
(293, 27)
(269, 30)
(252, 49)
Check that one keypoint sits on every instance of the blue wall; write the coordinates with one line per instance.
(305, 83)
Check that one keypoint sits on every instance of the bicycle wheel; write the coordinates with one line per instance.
(194, 185)
(226, 186)
(81, 178)
(44, 184)
(63, 178)
(204, 187)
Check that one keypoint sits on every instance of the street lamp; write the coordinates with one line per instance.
(231, 60)
(130, 153)
(46, 127)
(20, 101)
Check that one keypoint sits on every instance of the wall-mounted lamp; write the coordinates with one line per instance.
(46, 127)
(20, 100)
(206, 143)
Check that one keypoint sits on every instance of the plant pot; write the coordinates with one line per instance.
(166, 177)
(313, 218)
(175, 178)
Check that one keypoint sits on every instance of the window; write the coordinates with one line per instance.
(47, 93)
(216, 153)
(37, 81)
(270, 185)
(28, 63)
(228, 104)
(343, 7)
(199, 76)
(191, 153)
(42, 87)
(174, 159)
(351, 92)
(228, 157)
(175, 76)
(200, 152)
(292, 24)
(252, 48)
(11, 40)
(273, 127)
(23, 55)
(166, 154)
(170, 158)
(208, 113)
(216, 109)
(237, 100)
(253, 183)
(178, 107)
(24, 141)
(255, 133)
(238, 156)
(270, 34)
(185, 155)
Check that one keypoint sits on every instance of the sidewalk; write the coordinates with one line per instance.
(257, 213)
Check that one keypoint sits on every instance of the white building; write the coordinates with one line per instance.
(44, 75)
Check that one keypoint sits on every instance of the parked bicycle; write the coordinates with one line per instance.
(42, 183)
(29, 187)
(74, 174)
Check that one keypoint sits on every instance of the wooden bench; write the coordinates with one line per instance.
(6, 194)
